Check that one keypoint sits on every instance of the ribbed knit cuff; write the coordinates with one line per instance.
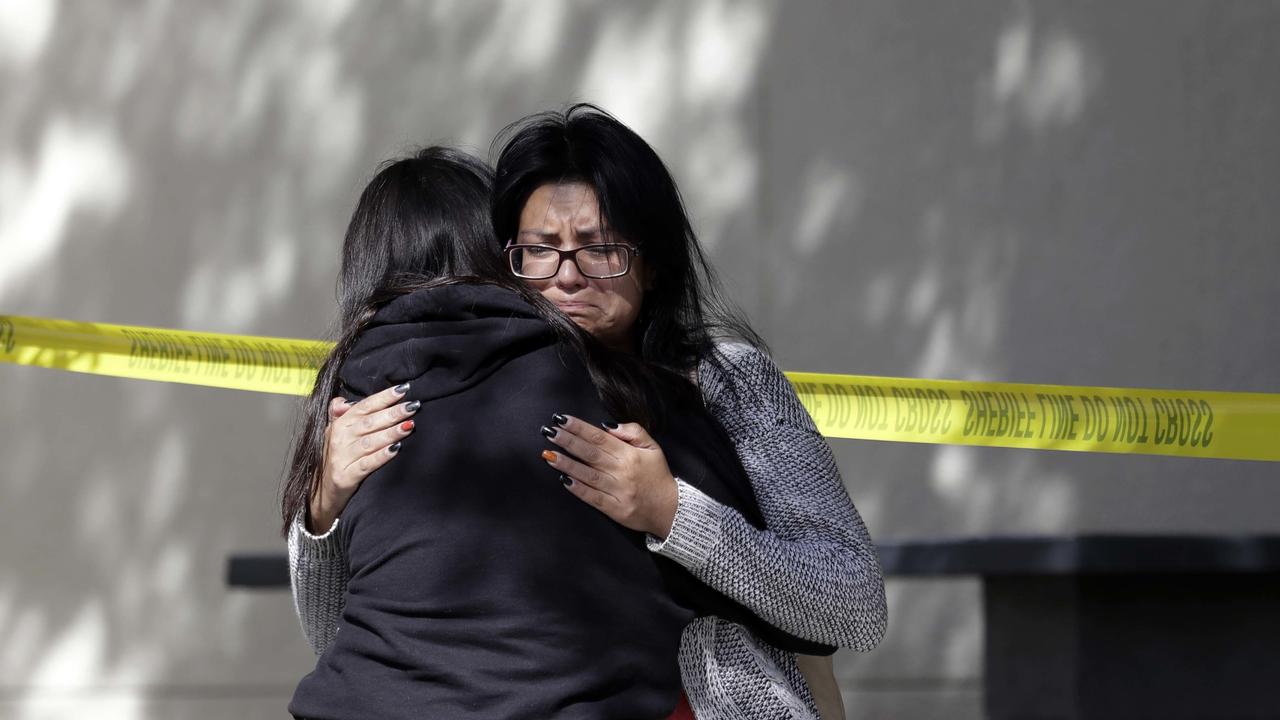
(327, 546)
(695, 532)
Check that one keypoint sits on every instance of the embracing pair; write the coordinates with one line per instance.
(548, 471)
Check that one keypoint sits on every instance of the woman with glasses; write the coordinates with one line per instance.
(591, 219)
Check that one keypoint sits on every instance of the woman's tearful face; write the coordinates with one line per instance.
(567, 216)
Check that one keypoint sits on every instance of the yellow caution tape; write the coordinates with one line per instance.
(1243, 426)
(1189, 423)
(240, 362)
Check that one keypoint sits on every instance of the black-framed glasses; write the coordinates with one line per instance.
(600, 261)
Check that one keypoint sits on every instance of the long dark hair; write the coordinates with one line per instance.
(421, 222)
(685, 311)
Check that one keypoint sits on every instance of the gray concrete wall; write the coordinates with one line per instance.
(1076, 193)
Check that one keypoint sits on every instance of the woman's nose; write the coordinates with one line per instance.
(568, 276)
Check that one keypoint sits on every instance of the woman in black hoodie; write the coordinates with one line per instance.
(477, 587)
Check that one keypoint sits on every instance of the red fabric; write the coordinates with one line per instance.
(682, 711)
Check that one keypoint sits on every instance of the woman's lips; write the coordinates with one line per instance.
(569, 307)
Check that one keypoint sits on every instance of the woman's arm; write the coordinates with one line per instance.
(361, 437)
(318, 575)
(814, 572)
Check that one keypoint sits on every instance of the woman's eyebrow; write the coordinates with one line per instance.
(545, 234)
(549, 236)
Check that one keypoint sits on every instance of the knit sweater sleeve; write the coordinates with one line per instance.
(813, 572)
(318, 575)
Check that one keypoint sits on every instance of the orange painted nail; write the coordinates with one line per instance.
(549, 456)
(406, 426)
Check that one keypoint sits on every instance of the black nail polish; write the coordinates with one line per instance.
(559, 419)
(609, 425)
(395, 448)
(549, 432)
(413, 406)
(402, 389)
(566, 480)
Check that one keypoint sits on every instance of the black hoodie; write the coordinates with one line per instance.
(479, 587)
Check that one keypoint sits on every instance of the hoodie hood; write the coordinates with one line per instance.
(443, 340)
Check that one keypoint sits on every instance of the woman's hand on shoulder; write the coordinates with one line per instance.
(619, 470)
(361, 437)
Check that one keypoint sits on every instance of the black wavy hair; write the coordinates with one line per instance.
(685, 312)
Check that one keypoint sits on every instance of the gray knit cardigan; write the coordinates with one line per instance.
(813, 573)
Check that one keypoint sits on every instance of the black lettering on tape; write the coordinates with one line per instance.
(984, 412)
(1195, 427)
(203, 355)
(1120, 419)
(1017, 415)
(300, 362)
(927, 408)
(218, 356)
(168, 351)
(182, 353)
(1002, 414)
(1207, 409)
(833, 405)
(7, 335)
(152, 352)
(1090, 423)
(1172, 422)
(262, 356)
(1031, 415)
(1055, 407)
(944, 425)
(809, 398)
(966, 397)
(859, 407)
(243, 354)
(1064, 417)
(1044, 417)
(1142, 408)
(135, 347)
(941, 410)
(1157, 409)
(1184, 424)
(1102, 418)
(1075, 417)
(1130, 419)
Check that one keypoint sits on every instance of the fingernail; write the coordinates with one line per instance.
(549, 456)
(559, 419)
(406, 426)
(413, 406)
(609, 425)
(395, 448)
(566, 480)
(402, 388)
(345, 401)
(549, 432)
